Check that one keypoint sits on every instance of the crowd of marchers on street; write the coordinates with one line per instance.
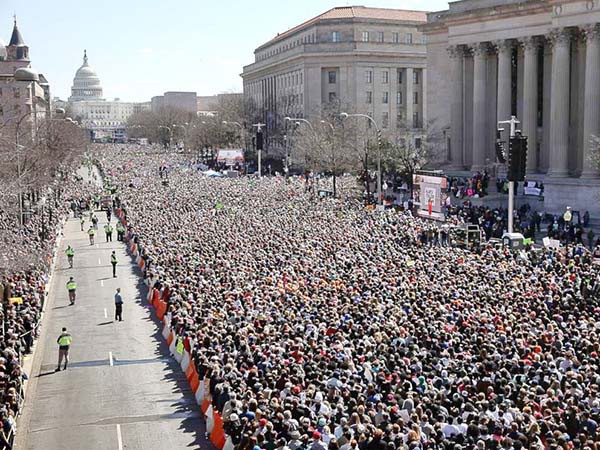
(321, 325)
(25, 263)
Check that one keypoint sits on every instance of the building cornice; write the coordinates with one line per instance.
(447, 19)
(349, 58)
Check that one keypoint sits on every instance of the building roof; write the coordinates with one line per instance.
(356, 12)
(16, 39)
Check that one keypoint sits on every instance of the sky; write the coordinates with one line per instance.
(142, 48)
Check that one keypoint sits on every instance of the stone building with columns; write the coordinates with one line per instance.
(371, 60)
(536, 59)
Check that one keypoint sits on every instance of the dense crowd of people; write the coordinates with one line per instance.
(24, 271)
(321, 325)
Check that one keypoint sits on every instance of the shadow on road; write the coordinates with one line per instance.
(104, 323)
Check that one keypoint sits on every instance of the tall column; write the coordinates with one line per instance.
(559, 114)
(504, 48)
(456, 112)
(480, 53)
(410, 96)
(591, 116)
(530, 99)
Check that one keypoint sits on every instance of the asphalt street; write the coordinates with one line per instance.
(121, 389)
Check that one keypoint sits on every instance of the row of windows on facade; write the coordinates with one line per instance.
(380, 37)
(16, 110)
(16, 92)
(385, 117)
(296, 79)
(336, 36)
(385, 98)
(385, 76)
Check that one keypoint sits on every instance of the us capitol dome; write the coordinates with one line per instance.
(86, 84)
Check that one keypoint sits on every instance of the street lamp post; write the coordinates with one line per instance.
(345, 116)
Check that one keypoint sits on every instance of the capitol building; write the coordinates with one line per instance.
(105, 119)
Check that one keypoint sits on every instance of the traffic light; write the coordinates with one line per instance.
(379, 138)
(500, 147)
(259, 140)
(517, 158)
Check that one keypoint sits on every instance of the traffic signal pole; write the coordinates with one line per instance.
(511, 184)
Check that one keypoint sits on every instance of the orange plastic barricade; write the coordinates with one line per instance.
(161, 310)
(155, 297)
(170, 338)
(142, 263)
(190, 371)
(205, 404)
(217, 436)
(194, 381)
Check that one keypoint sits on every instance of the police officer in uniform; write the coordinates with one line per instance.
(91, 234)
(64, 342)
(114, 261)
(120, 231)
(71, 287)
(108, 229)
(70, 253)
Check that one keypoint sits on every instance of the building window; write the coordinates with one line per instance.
(416, 98)
(409, 38)
(332, 97)
(386, 97)
(380, 36)
(385, 119)
(416, 77)
(385, 77)
(399, 73)
(418, 143)
(396, 38)
(399, 120)
(365, 36)
(16, 92)
(335, 36)
(415, 119)
(399, 98)
(369, 76)
(332, 77)
(369, 97)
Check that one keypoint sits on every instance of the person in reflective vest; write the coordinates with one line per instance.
(91, 233)
(64, 342)
(71, 287)
(120, 232)
(108, 229)
(114, 261)
(82, 222)
(70, 253)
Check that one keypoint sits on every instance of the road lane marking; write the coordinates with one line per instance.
(96, 245)
(105, 313)
(119, 437)
(99, 261)
(110, 359)
(101, 282)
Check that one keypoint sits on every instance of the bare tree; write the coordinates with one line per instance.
(406, 150)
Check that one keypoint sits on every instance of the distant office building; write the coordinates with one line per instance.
(23, 91)
(185, 101)
(209, 104)
(371, 60)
